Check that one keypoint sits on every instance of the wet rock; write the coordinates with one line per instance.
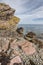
(22, 52)
(34, 39)
(20, 31)
(31, 34)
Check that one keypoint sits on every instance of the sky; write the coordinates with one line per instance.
(29, 11)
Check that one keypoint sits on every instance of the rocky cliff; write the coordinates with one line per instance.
(7, 18)
(16, 48)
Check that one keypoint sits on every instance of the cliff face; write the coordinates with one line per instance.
(7, 18)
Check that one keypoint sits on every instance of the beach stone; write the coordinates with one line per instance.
(25, 50)
(41, 53)
(35, 58)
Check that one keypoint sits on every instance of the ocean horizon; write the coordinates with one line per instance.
(36, 28)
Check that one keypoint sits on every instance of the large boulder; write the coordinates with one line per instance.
(20, 31)
(31, 34)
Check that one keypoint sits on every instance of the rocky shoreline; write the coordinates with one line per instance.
(28, 49)
(15, 47)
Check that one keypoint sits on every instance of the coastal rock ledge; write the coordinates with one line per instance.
(14, 48)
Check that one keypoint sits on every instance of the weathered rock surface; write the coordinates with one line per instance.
(14, 49)
(20, 31)
(39, 48)
(20, 50)
(24, 45)
(32, 37)
(4, 7)
(31, 34)
(6, 11)
(8, 22)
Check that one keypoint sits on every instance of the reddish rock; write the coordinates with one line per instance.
(13, 43)
(28, 48)
(16, 60)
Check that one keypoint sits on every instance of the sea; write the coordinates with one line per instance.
(36, 28)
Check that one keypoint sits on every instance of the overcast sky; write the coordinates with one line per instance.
(29, 11)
